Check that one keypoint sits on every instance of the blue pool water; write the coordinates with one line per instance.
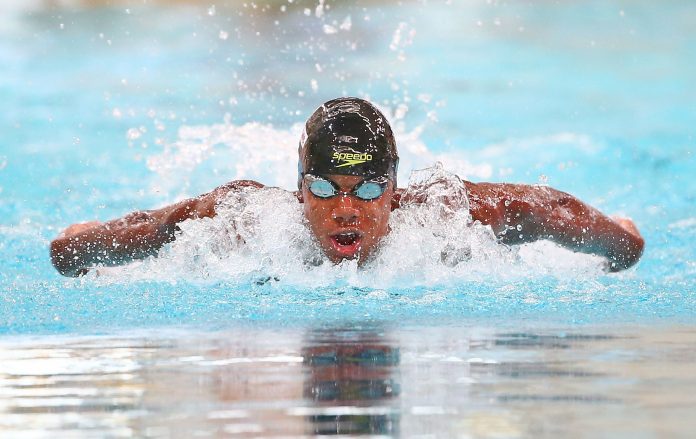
(106, 109)
(110, 109)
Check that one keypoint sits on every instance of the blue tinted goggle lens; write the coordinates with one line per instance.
(322, 188)
(367, 190)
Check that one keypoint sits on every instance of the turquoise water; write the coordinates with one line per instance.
(109, 109)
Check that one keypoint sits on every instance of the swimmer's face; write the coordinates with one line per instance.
(345, 226)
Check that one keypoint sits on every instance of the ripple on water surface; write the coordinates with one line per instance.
(352, 378)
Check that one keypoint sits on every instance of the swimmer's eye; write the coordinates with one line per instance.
(322, 188)
(369, 190)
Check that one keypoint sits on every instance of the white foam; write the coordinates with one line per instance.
(685, 223)
(208, 155)
(215, 154)
(261, 235)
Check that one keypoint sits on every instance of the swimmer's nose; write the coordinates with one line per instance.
(345, 213)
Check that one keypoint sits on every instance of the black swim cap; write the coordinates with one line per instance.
(348, 136)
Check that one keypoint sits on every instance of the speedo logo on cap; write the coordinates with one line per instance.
(351, 159)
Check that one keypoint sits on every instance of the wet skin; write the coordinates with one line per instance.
(345, 226)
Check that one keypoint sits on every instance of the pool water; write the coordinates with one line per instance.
(106, 109)
(354, 379)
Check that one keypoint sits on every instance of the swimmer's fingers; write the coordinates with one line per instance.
(79, 228)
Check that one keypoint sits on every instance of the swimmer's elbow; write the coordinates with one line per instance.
(529, 213)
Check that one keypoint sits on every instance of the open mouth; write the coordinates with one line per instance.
(346, 243)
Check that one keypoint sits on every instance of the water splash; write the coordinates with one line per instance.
(206, 156)
(260, 235)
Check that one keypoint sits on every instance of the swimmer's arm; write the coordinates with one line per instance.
(135, 236)
(545, 213)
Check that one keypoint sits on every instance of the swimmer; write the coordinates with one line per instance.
(347, 185)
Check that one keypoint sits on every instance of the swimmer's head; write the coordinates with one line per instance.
(348, 136)
(347, 177)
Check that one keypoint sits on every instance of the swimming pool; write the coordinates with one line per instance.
(108, 109)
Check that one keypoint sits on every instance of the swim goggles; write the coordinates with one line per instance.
(366, 190)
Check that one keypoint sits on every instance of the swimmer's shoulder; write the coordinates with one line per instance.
(402, 196)
(221, 192)
(236, 185)
(484, 200)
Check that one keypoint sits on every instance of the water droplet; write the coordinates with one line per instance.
(133, 134)
(347, 24)
(223, 35)
(519, 227)
(423, 97)
(507, 203)
(401, 111)
(211, 10)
